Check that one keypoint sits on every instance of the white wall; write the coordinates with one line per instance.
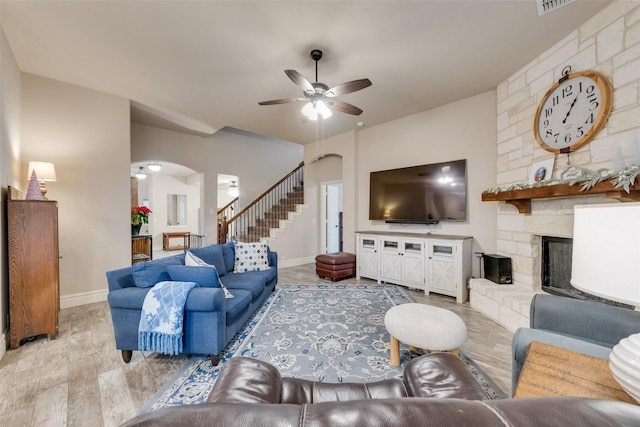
(160, 186)
(85, 134)
(10, 130)
(259, 162)
(462, 130)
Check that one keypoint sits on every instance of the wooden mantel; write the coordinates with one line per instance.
(521, 199)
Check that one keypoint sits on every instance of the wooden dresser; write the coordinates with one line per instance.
(34, 284)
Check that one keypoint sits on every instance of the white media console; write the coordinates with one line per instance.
(433, 262)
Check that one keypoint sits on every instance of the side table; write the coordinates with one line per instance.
(141, 248)
(555, 371)
(166, 241)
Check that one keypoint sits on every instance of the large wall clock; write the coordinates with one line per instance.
(573, 111)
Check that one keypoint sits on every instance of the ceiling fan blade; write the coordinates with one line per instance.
(279, 101)
(299, 80)
(344, 107)
(348, 87)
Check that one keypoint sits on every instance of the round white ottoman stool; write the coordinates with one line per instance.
(423, 326)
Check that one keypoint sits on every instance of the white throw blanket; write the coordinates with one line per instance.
(160, 328)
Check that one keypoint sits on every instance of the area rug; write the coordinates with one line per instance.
(319, 332)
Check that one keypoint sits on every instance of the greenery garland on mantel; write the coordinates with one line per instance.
(623, 179)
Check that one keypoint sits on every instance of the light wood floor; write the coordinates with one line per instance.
(79, 378)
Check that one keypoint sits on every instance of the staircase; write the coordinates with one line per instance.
(271, 218)
(256, 221)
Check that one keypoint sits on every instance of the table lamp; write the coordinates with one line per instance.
(606, 263)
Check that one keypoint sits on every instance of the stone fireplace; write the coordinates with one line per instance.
(522, 237)
(601, 43)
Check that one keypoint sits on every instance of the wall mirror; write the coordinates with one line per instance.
(176, 209)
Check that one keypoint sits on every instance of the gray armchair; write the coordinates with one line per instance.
(586, 327)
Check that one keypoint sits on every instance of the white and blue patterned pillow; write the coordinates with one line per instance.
(193, 261)
(251, 257)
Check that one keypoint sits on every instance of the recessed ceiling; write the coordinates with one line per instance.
(198, 66)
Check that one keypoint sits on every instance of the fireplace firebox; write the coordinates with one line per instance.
(556, 270)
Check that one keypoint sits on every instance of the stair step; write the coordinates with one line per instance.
(277, 215)
(286, 205)
(268, 222)
(292, 200)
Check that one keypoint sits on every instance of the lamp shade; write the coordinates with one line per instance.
(606, 255)
(606, 251)
(44, 171)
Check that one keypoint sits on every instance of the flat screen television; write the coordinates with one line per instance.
(425, 194)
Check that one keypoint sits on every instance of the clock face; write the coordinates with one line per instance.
(573, 111)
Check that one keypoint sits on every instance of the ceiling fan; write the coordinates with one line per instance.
(319, 97)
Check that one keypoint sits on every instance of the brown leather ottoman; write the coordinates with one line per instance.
(336, 265)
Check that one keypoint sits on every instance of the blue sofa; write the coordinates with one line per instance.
(586, 327)
(210, 319)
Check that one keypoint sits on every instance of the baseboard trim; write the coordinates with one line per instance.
(295, 262)
(83, 298)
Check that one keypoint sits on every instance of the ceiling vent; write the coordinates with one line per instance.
(546, 6)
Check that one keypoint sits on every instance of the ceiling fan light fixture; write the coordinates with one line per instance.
(312, 109)
(233, 189)
(154, 167)
(141, 174)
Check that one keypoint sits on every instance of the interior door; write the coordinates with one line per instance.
(333, 195)
(330, 212)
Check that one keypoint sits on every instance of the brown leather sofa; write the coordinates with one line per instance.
(437, 390)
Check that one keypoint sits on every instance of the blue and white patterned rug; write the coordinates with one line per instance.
(321, 332)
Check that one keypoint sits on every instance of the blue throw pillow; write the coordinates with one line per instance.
(190, 260)
(251, 256)
(206, 277)
(147, 274)
(212, 255)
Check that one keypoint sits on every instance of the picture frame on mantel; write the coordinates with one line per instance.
(541, 171)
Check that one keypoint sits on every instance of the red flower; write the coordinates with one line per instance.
(140, 215)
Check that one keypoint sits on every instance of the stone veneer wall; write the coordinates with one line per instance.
(609, 43)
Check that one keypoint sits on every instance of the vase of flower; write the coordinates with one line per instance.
(139, 216)
(135, 229)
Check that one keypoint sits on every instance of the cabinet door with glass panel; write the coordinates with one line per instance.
(368, 256)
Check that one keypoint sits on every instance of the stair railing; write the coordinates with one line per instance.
(224, 213)
(242, 226)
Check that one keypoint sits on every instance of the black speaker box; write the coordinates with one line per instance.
(497, 268)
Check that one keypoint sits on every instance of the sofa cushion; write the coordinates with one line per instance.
(255, 283)
(147, 274)
(229, 254)
(204, 276)
(193, 262)
(269, 275)
(251, 256)
(212, 255)
(237, 306)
